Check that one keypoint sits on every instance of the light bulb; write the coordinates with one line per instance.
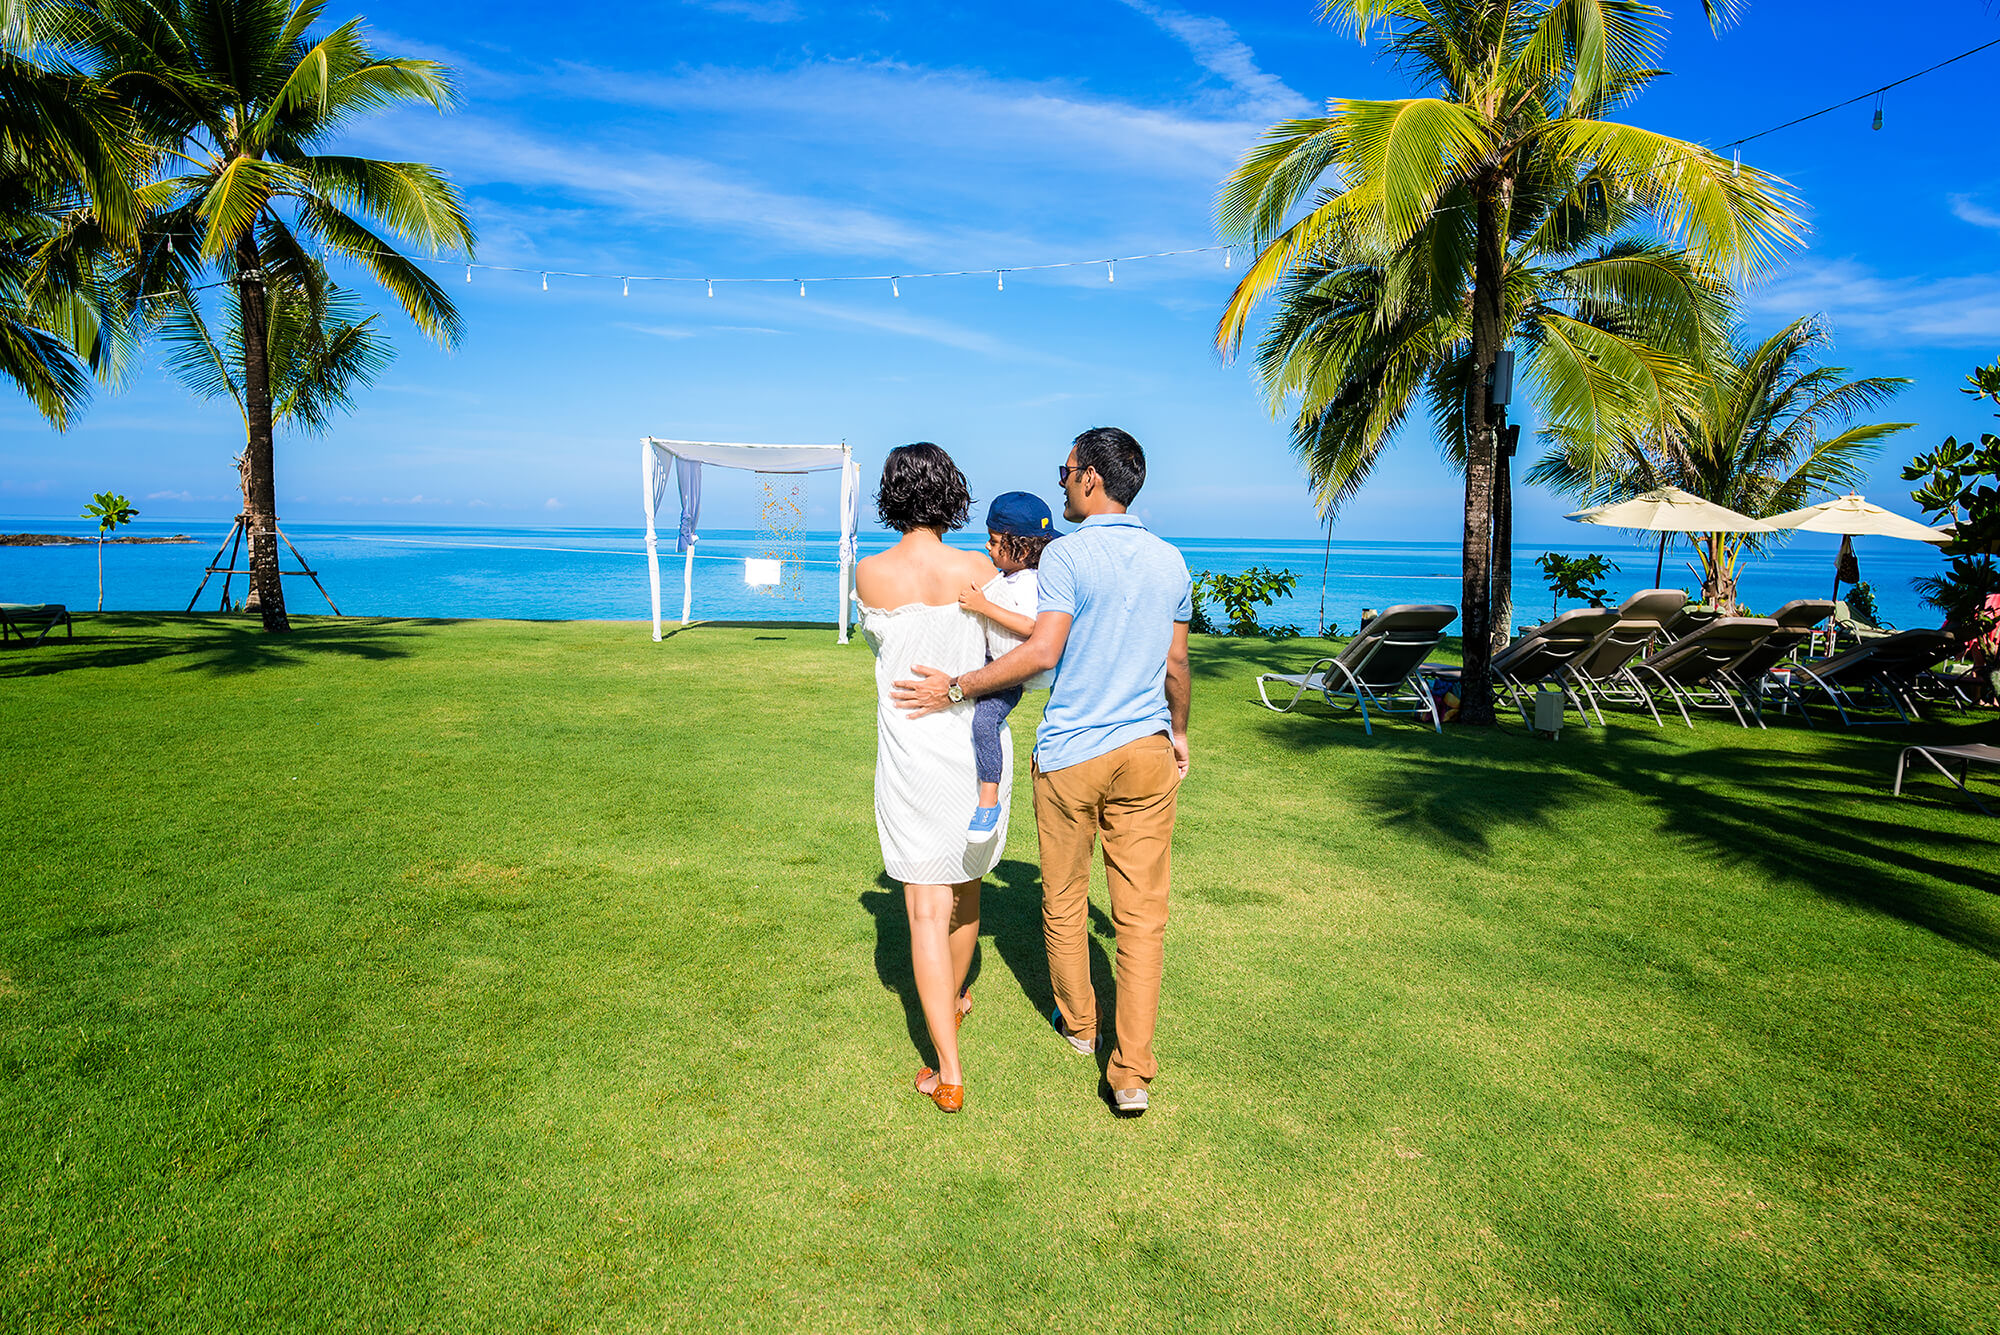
(1227, 252)
(802, 287)
(468, 273)
(1878, 118)
(894, 291)
(1000, 283)
(545, 282)
(628, 287)
(711, 287)
(1110, 273)
(1736, 165)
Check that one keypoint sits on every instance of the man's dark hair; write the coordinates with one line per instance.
(1024, 547)
(1119, 461)
(922, 488)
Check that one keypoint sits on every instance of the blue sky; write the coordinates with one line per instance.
(788, 137)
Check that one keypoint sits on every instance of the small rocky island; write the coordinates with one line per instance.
(73, 539)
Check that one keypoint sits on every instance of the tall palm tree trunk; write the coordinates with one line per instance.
(258, 455)
(1476, 611)
(1503, 548)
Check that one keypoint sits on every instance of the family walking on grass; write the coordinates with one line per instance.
(957, 637)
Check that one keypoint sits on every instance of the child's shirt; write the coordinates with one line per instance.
(1016, 591)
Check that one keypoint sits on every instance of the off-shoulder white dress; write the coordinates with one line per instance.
(925, 784)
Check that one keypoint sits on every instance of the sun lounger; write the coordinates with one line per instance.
(1542, 656)
(1884, 670)
(1860, 631)
(1695, 670)
(1967, 756)
(1380, 667)
(1686, 622)
(17, 619)
(1752, 674)
(1602, 672)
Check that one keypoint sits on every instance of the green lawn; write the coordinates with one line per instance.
(490, 976)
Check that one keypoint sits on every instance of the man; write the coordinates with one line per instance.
(1112, 746)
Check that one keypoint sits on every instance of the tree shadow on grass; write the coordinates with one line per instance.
(691, 627)
(222, 646)
(1011, 917)
(1821, 817)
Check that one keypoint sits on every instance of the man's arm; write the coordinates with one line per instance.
(1179, 693)
(1040, 652)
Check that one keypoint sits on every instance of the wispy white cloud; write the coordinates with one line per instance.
(552, 504)
(169, 495)
(642, 183)
(910, 112)
(1217, 49)
(1966, 208)
(1954, 311)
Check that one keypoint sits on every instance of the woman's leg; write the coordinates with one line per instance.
(964, 935)
(930, 909)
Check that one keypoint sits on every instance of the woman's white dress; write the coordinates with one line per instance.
(926, 787)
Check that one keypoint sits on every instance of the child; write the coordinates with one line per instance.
(1018, 526)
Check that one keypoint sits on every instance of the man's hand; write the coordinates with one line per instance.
(918, 698)
(973, 599)
(1181, 752)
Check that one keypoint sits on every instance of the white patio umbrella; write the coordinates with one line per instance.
(1670, 510)
(1852, 516)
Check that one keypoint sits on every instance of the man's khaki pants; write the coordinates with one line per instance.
(1127, 798)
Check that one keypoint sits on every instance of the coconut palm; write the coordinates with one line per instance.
(66, 208)
(239, 99)
(1756, 440)
(1435, 229)
(317, 358)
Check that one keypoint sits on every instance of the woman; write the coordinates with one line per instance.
(925, 783)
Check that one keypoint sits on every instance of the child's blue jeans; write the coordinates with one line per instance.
(989, 715)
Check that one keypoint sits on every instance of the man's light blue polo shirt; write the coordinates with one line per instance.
(1123, 589)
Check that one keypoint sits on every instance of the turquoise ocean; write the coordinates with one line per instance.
(600, 573)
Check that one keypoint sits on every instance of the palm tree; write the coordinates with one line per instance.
(110, 509)
(1437, 228)
(66, 208)
(317, 360)
(238, 98)
(1753, 440)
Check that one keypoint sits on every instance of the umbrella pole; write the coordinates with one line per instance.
(1660, 566)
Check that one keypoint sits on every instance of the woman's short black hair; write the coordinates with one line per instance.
(922, 488)
(1119, 461)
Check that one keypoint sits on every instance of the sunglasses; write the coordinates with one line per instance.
(1063, 472)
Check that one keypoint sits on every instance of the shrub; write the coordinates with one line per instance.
(1239, 597)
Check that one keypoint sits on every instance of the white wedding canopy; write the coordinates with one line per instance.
(681, 462)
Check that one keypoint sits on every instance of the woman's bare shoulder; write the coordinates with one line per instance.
(977, 565)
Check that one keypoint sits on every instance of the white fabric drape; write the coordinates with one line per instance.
(690, 456)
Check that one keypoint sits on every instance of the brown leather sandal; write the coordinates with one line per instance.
(949, 1098)
(963, 1011)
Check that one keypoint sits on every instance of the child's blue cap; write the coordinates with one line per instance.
(1020, 512)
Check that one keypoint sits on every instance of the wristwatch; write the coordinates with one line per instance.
(953, 694)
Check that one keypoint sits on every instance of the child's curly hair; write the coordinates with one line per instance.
(1024, 547)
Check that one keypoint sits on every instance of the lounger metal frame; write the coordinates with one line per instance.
(1966, 756)
(1695, 670)
(1407, 694)
(17, 624)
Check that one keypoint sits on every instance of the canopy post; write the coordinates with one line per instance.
(687, 582)
(651, 492)
(849, 484)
